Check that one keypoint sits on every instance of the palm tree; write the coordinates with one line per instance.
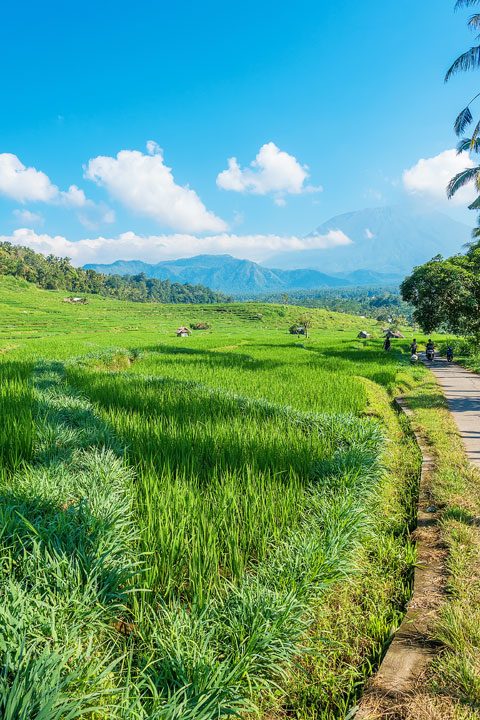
(469, 60)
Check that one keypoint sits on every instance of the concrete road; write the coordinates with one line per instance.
(462, 390)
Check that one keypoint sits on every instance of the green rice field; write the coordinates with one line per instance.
(201, 527)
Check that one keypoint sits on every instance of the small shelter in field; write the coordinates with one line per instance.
(75, 300)
(183, 331)
(363, 334)
(393, 333)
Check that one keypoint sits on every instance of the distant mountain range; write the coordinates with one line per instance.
(387, 240)
(386, 244)
(225, 273)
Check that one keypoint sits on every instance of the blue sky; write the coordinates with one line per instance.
(352, 90)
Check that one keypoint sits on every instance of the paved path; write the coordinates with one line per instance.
(462, 390)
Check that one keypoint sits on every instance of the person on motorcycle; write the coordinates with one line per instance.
(430, 349)
(449, 353)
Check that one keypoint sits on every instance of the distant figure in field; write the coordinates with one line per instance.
(387, 344)
(413, 347)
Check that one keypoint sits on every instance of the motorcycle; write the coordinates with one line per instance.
(449, 356)
(430, 355)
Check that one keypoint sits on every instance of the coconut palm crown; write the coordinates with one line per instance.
(469, 60)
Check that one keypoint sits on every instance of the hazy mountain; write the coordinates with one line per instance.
(386, 244)
(225, 273)
(385, 240)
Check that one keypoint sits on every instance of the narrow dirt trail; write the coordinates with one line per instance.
(462, 391)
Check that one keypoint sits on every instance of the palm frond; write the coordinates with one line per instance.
(467, 61)
(475, 205)
(463, 120)
(465, 3)
(467, 145)
(475, 234)
(474, 22)
(461, 179)
(475, 136)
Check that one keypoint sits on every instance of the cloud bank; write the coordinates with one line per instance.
(429, 177)
(155, 248)
(144, 184)
(273, 172)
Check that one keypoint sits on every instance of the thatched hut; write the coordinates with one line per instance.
(183, 331)
(393, 333)
(363, 334)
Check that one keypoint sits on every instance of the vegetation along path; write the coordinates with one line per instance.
(462, 391)
(435, 648)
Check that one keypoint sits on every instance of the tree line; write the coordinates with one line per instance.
(55, 273)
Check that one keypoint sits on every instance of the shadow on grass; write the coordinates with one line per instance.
(194, 431)
(232, 360)
(46, 514)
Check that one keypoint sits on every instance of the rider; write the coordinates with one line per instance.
(449, 353)
(430, 347)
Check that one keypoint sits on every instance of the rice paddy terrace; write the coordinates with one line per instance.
(197, 527)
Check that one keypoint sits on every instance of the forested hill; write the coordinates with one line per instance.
(53, 273)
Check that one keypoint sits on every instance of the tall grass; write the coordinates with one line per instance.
(171, 542)
(223, 479)
(67, 553)
(17, 429)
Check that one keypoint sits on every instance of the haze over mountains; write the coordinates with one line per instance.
(389, 239)
(225, 273)
(387, 243)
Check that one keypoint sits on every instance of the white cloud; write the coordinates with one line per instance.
(144, 183)
(130, 246)
(429, 177)
(27, 184)
(74, 197)
(273, 171)
(24, 183)
(369, 234)
(28, 217)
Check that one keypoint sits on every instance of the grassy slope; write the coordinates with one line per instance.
(38, 321)
(353, 620)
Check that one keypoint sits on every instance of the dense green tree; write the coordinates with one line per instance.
(446, 293)
(54, 273)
